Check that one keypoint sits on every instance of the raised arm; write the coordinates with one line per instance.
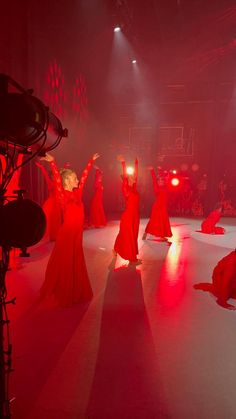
(154, 179)
(46, 176)
(57, 178)
(121, 159)
(136, 170)
(86, 171)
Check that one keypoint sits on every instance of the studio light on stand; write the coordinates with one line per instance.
(26, 127)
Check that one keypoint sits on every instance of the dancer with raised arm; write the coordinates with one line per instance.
(159, 223)
(126, 244)
(97, 216)
(66, 274)
(51, 206)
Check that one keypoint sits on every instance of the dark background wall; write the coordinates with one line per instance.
(185, 76)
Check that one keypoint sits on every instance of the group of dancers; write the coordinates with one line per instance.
(66, 277)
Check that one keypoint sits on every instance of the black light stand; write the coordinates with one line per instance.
(26, 126)
(5, 345)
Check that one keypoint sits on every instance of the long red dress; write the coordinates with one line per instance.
(159, 223)
(12, 186)
(126, 244)
(97, 216)
(223, 279)
(51, 207)
(208, 226)
(66, 274)
(14, 181)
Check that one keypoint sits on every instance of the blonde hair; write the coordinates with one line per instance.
(65, 173)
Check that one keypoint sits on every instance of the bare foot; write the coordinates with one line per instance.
(163, 239)
(226, 305)
(135, 262)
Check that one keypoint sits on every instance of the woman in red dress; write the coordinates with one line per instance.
(97, 216)
(223, 284)
(15, 179)
(126, 244)
(208, 226)
(51, 206)
(66, 274)
(159, 223)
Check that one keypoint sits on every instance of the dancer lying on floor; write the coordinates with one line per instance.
(223, 284)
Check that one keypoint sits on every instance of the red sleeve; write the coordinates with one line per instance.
(58, 183)
(125, 179)
(136, 170)
(2, 167)
(84, 176)
(46, 176)
(124, 169)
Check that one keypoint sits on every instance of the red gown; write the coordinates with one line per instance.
(97, 216)
(51, 207)
(12, 186)
(126, 244)
(223, 279)
(66, 274)
(159, 223)
(14, 182)
(208, 226)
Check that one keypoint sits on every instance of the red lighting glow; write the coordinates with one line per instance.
(55, 95)
(175, 181)
(130, 170)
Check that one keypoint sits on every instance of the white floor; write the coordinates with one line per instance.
(148, 346)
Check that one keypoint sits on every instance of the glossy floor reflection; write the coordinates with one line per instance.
(148, 346)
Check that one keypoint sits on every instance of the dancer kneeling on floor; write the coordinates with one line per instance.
(209, 224)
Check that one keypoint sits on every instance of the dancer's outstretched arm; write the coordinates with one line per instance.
(86, 171)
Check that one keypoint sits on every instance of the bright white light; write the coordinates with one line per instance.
(117, 29)
(130, 170)
(134, 61)
(174, 172)
(175, 181)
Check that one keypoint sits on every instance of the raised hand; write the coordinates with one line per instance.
(120, 158)
(95, 156)
(48, 157)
